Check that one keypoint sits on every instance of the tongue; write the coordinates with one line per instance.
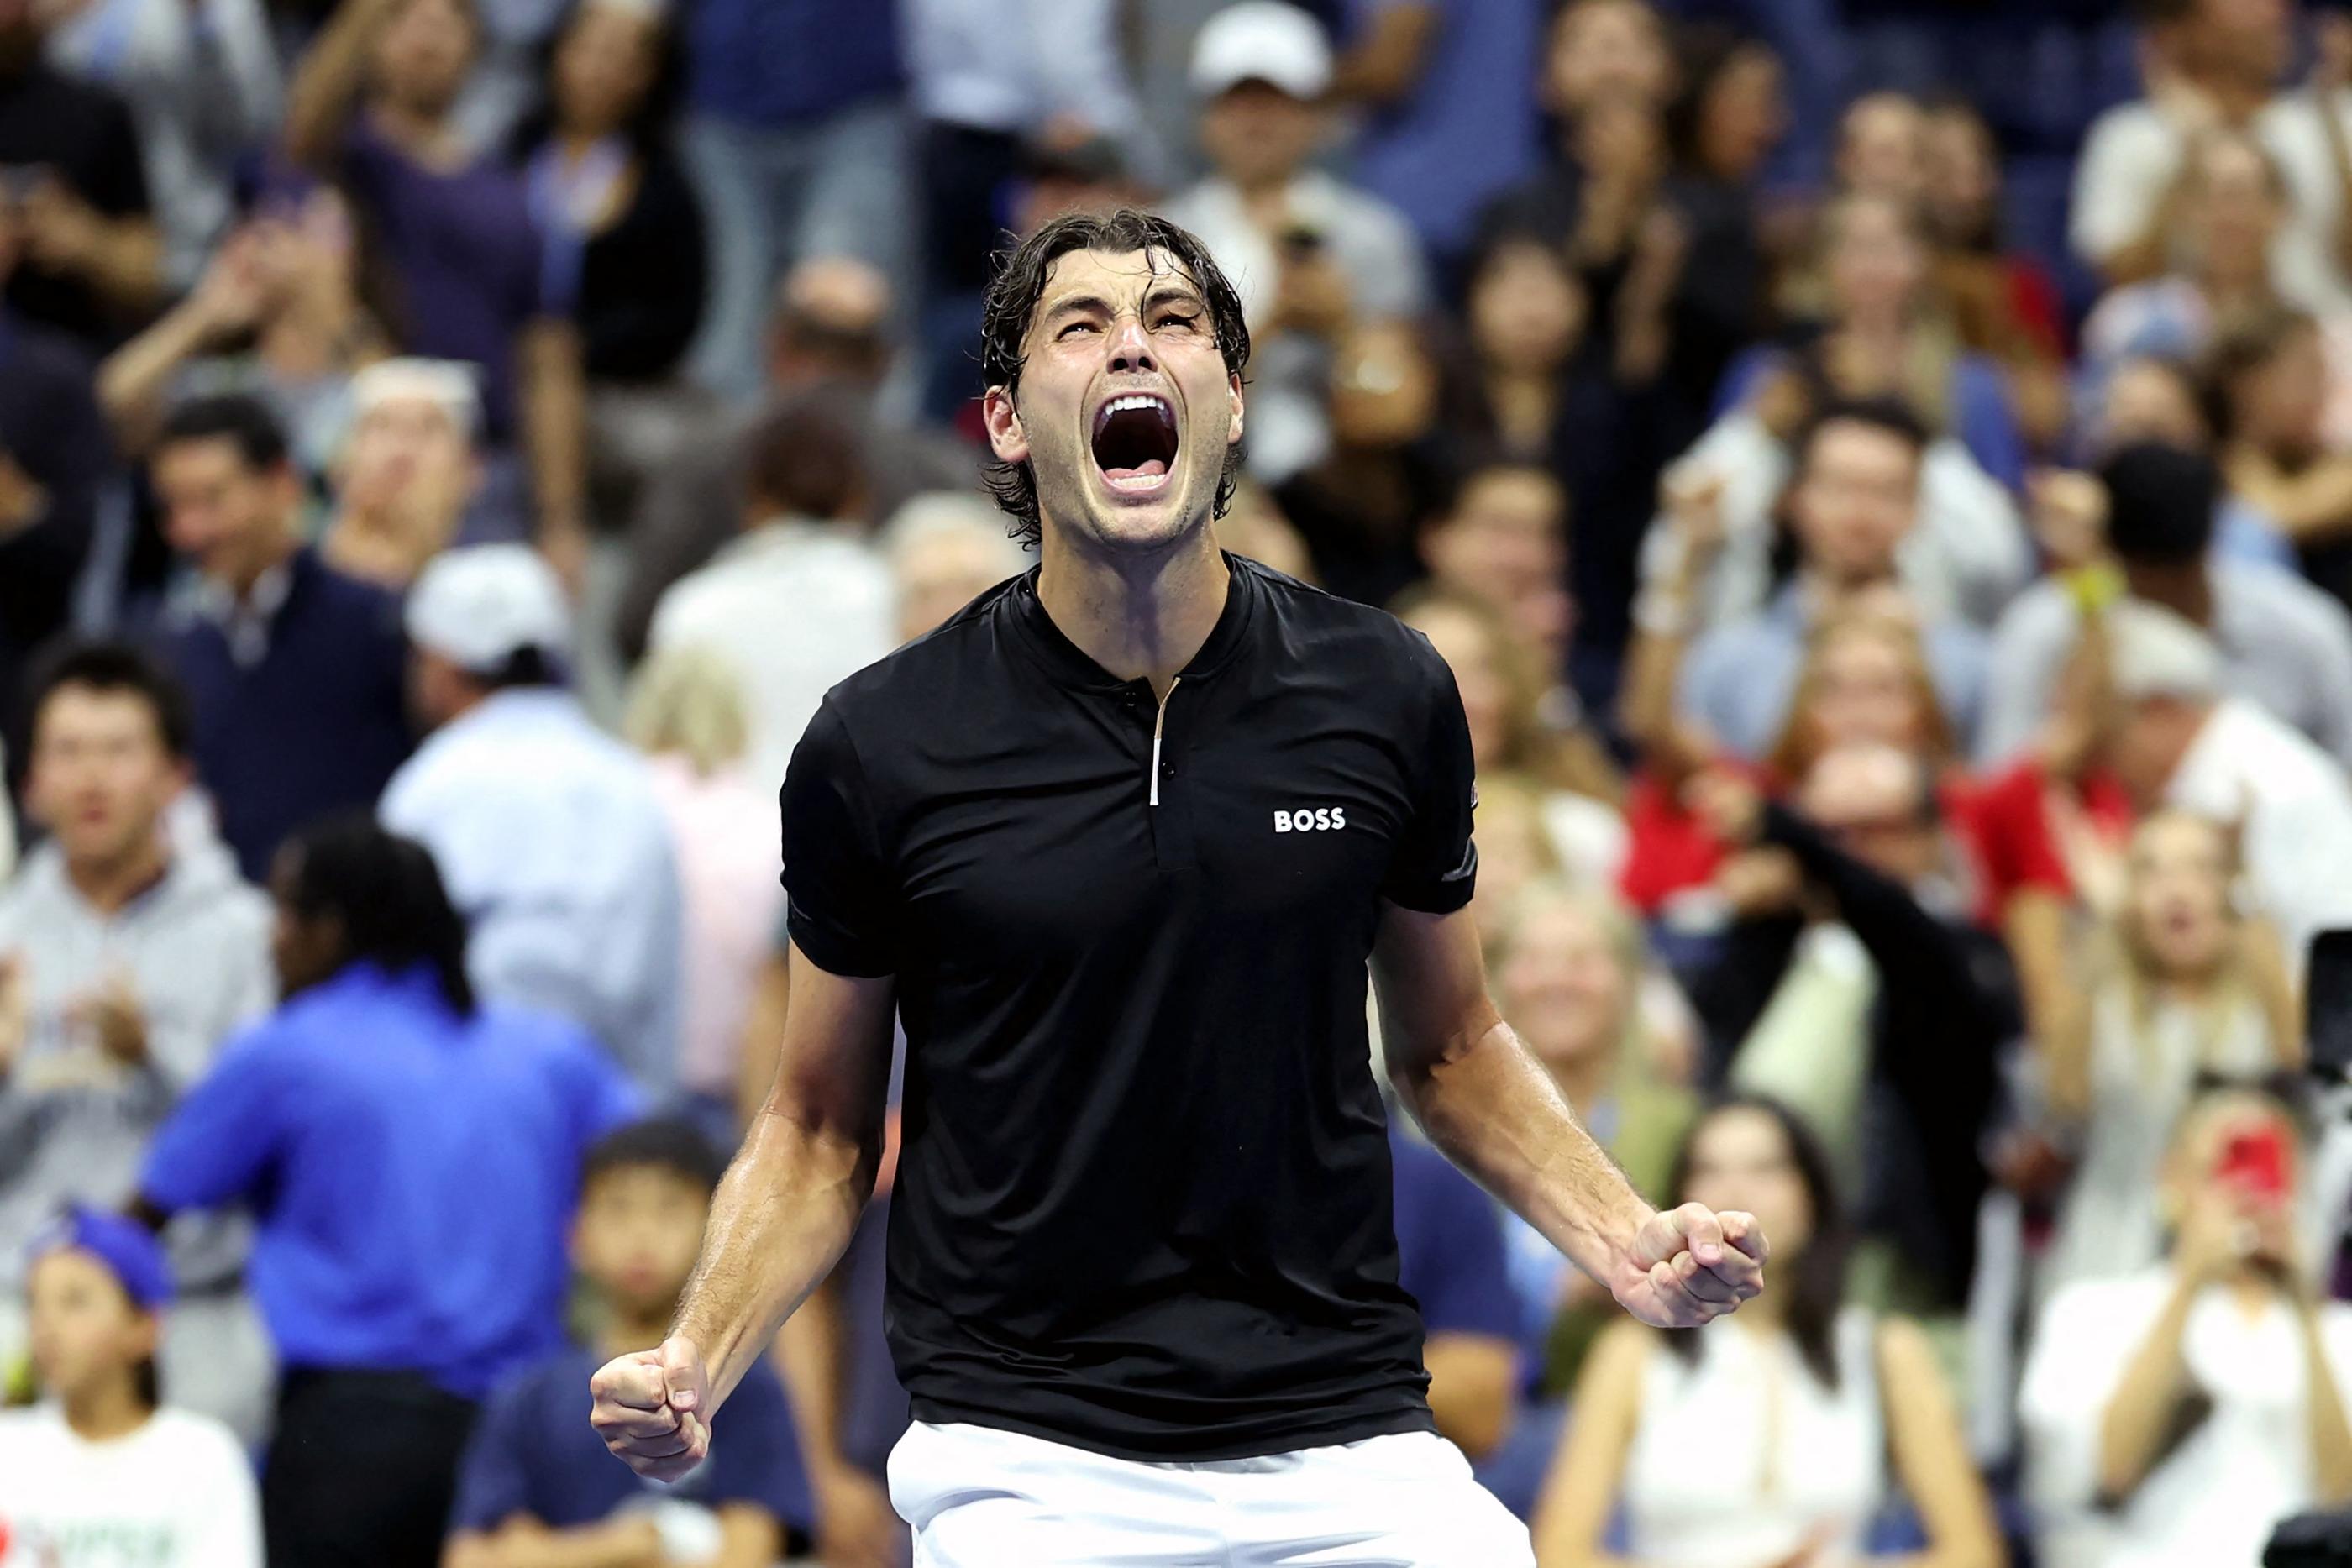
(1151, 468)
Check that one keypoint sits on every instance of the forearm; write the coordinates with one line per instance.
(2141, 1418)
(555, 414)
(779, 1223)
(131, 383)
(2033, 927)
(126, 264)
(320, 103)
(2331, 1434)
(1491, 1110)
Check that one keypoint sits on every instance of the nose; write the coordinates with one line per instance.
(1131, 345)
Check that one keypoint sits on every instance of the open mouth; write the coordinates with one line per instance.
(1135, 442)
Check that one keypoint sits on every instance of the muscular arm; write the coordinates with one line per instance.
(1483, 1101)
(779, 1221)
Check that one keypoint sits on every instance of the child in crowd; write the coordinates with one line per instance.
(101, 1475)
(537, 1475)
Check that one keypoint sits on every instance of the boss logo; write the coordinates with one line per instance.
(1311, 819)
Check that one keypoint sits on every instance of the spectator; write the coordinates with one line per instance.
(550, 835)
(2213, 64)
(2283, 644)
(2271, 386)
(88, 257)
(1794, 1419)
(1524, 316)
(1311, 257)
(55, 461)
(1727, 117)
(1449, 108)
(1869, 846)
(2183, 991)
(293, 669)
(1453, 1258)
(1515, 848)
(686, 715)
(799, 147)
(1523, 723)
(832, 331)
(804, 599)
(203, 88)
(409, 472)
(536, 1481)
(1504, 542)
(132, 959)
(412, 1159)
(2178, 741)
(2157, 397)
(372, 106)
(944, 552)
(1384, 470)
(1253, 525)
(1882, 149)
(275, 315)
(1860, 471)
(621, 232)
(2175, 1415)
(103, 1462)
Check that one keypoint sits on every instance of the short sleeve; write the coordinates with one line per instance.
(755, 1455)
(1434, 867)
(493, 1480)
(840, 905)
(223, 1135)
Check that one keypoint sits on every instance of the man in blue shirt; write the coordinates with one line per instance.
(412, 1159)
(536, 1473)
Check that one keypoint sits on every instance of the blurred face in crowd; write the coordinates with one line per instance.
(2148, 400)
(1257, 134)
(1383, 387)
(2245, 41)
(85, 1330)
(2238, 1153)
(1744, 116)
(830, 324)
(1875, 262)
(1505, 543)
(604, 66)
(408, 455)
(1125, 410)
(232, 520)
(1862, 686)
(1960, 177)
(305, 949)
(425, 54)
(2280, 405)
(2178, 895)
(1602, 48)
(2234, 208)
(1871, 800)
(1854, 501)
(2147, 741)
(1741, 1160)
(1882, 148)
(1513, 851)
(1466, 645)
(937, 574)
(1527, 310)
(1563, 983)
(636, 1236)
(101, 775)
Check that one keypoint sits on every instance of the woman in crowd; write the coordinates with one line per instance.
(2182, 989)
(2270, 384)
(1765, 1441)
(686, 714)
(1722, 127)
(102, 1472)
(2175, 1415)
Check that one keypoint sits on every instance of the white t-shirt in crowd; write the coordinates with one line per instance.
(2213, 1500)
(176, 1493)
(2134, 151)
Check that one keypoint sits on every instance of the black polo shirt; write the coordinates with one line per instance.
(1143, 1194)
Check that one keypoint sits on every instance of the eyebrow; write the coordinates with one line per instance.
(1173, 294)
(1077, 305)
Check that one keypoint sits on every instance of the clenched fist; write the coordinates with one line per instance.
(1695, 1266)
(652, 1408)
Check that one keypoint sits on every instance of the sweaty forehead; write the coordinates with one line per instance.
(1120, 277)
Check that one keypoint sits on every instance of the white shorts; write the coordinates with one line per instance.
(981, 1498)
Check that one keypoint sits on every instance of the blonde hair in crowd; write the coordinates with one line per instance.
(688, 702)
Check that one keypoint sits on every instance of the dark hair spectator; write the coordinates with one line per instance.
(365, 896)
(109, 668)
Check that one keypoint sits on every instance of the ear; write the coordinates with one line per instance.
(1005, 436)
(1234, 394)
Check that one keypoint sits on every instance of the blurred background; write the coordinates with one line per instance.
(1880, 472)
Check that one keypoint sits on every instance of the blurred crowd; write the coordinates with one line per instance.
(1881, 475)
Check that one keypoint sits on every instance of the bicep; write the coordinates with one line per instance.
(1925, 1440)
(1431, 981)
(1580, 1493)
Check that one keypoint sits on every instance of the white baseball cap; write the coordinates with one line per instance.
(2153, 653)
(450, 385)
(479, 606)
(1262, 40)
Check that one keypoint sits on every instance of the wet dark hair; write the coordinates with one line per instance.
(387, 894)
(1011, 305)
(112, 667)
(1813, 1280)
(662, 1142)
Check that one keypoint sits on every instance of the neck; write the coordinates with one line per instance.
(108, 886)
(240, 578)
(1767, 1313)
(420, 132)
(2239, 99)
(1523, 401)
(577, 138)
(1139, 619)
(2180, 587)
(101, 1414)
